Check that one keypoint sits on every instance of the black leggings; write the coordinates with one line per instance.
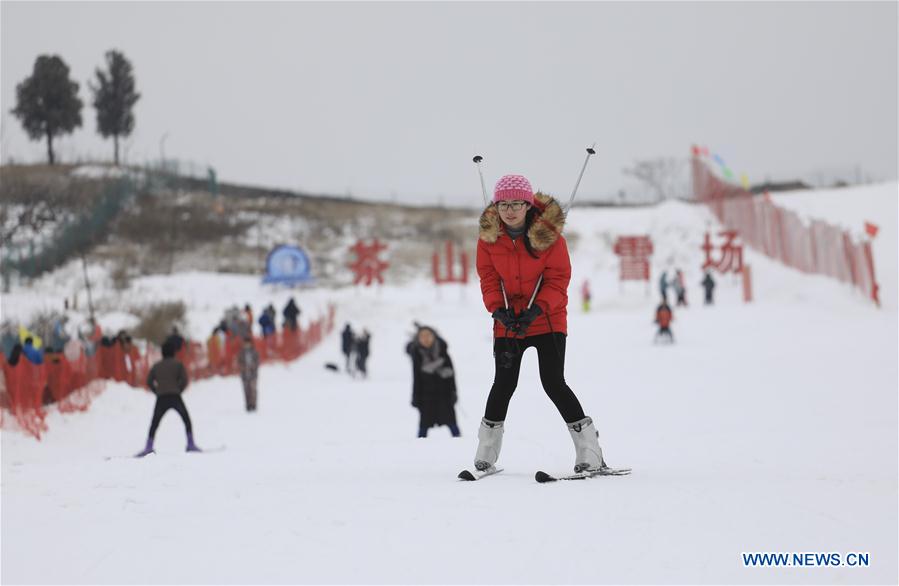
(551, 358)
(163, 404)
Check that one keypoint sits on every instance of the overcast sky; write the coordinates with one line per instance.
(392, 100)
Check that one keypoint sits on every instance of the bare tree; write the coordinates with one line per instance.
(666, 177)
(34, 209)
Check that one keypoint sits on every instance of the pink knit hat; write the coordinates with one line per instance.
(512, 187)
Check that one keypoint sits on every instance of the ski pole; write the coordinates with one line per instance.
(477, 160)
(536, 288)
(590, 153)
(533, 295)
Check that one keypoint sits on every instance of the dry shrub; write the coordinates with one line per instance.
(156, 320)
(121, 274)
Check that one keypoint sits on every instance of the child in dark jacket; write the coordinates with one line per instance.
(168, 379)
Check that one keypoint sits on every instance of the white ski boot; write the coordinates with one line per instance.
(588, 454)
(490, 441)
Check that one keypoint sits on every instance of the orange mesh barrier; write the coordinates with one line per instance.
(71, 384)
(818, 248)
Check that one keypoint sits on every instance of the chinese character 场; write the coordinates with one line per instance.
(731, 254)
(634, 252)
(368, 266)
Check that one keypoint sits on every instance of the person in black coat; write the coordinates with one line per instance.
(175, 339)
(291, 312)
(708, 283)
(14, 355)
(433, 381)
(362, 350)
(347, 339)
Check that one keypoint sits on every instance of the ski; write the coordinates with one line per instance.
(131, 457)
(141, 455)
(478, 474)
(542, 477)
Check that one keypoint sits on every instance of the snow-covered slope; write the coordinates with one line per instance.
(769, 426)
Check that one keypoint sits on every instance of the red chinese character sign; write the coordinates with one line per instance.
(730, 261)
(368, 267)
(634, 252)
(450, 276)
(731, 254)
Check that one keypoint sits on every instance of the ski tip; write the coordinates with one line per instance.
(542, 477)
(466, 475)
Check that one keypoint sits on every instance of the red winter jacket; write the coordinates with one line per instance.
(664, 317)
(502, 259)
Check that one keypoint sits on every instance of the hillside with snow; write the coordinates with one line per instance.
(767, 427)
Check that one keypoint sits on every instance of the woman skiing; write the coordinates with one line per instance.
(524, 268)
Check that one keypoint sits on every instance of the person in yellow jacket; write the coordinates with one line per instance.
(24, 334)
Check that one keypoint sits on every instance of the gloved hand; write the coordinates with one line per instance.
(507, 318)
(527, 317)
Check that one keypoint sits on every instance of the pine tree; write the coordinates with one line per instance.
(114, 99)
(47, 103)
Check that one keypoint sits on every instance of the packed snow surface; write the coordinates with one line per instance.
(768, 427)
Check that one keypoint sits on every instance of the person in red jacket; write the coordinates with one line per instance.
(664, 317)
(522, 254)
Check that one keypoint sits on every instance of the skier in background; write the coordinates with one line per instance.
(58, 335)
(520, 240)
(708, 283)
(663, 286)
(34, 355)
(585, 295)
(362, 349)
(680, 288)
(248, 317)
(291, 312)
(168, 379)
(346, 345)
(433, 381)
(267, 324)
(664, 317)
(90, 335)
(248, 362)
(176, 339)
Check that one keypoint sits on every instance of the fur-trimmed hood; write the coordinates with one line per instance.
(544, 231)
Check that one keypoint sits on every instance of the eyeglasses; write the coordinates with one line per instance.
(515, 206)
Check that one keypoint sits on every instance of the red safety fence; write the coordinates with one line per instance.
(26, 389)
(816, 247)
